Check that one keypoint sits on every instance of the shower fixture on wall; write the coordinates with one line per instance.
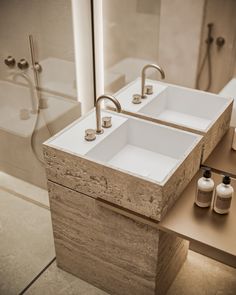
(34, 107)
(220, 42)
(37, 101)
(23, 64)
(37, 68)
(10, 61)
(207, 59)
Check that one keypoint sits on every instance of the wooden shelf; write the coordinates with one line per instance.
(202, 225)
(223, 157)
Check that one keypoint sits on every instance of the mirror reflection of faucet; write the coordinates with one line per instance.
(105, 122)
(146, 89)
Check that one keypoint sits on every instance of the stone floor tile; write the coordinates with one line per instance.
(201, 275)
(56, 281)
(24, 189)
(26, 242)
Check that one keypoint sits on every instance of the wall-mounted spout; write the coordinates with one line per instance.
(34, 103)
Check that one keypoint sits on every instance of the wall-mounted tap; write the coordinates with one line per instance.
(10, 61)
(23, 64)
(99, 129)
(149, 89)
(34, 103)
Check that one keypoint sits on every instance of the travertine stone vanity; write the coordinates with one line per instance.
(107, 196)
(113, 252)
(122, 252)
(135, 164)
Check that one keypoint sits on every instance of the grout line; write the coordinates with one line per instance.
(23, 197)
(36, 277)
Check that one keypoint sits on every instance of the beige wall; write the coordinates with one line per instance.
(130, 29)
(167, 32)
(49, 21)
(179, 39)
(222, 13)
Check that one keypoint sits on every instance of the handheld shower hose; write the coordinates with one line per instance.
(206, 59)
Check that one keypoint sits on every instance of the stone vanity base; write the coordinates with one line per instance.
(114, 252)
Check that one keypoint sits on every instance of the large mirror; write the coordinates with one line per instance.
(194, 41)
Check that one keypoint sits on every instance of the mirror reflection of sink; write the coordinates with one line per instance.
(133, 153)
(188, 109)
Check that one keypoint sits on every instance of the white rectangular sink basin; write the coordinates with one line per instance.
(136, 164)
(188, 109)
(145, 149)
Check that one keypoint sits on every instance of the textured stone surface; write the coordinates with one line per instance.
(217, 131)
(137, 194)
(172, 253)
(179, 180)
(109, 250)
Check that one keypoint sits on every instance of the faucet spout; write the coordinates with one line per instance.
(99, 129)
(31, 89)
(156, 67)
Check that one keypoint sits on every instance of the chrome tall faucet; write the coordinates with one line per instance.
(156, 67)
(99, 129)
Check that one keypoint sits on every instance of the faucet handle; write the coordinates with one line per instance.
(149, 89)
(136, 99)
(106, 122)
(23, 64)
(10, 61)
(90, 134)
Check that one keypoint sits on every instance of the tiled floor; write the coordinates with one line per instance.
(26, 247)
(26, 242)
(24, 190)
(199, 276)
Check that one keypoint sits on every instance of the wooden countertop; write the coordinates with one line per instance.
(223, 157)
(202, 225)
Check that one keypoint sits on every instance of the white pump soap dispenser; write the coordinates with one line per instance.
(205, 189)
(223, 196)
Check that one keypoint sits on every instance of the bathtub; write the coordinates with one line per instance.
(57, 77)
(230, 91)
(16, 155)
